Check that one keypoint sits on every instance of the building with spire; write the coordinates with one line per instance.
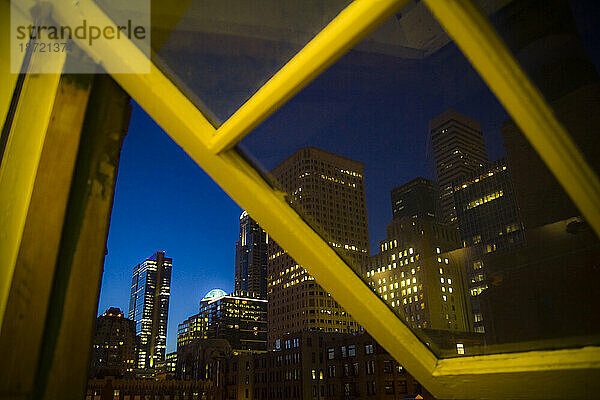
(251, 258)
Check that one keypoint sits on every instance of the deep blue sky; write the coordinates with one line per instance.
(163, 201)
(372, 109)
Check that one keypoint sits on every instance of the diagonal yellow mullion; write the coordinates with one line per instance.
(339, 36)
(269, 208)
(481, 44)
(155, 84)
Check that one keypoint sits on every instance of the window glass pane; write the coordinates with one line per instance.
(406, 163)
(221, 52)
(556, 44)
(173, 231)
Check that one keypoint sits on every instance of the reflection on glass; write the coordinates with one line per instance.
(469, 239)
(556, 46)
(222, 52)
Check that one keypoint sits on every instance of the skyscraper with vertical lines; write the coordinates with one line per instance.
(458, 149)
(251, 258)
(149, 307)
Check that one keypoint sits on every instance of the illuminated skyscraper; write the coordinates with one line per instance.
(251, 258)
(330, 191)
(488, 220)
(458, 149)
(149, 307)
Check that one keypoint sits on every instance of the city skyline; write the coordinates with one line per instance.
(181, 307)
(419, 241)
(201, 223)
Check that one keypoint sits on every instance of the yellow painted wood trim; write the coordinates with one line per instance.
(8, 80)
(154, 84)
(20, 164)
(339, 36)
(481, 44)
(547, 360)
(553, 374)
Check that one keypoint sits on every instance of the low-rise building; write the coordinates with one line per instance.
(415, 277)
(307, 365)
(239, 317)
(325, 365)
(113, 345)
(135, 389)
(166, 369)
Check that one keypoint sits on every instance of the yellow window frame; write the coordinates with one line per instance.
(534, 374)
(23, 151)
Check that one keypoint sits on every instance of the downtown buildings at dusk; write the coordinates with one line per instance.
(314, 347)
(296, 341)
(464, 262)
(257, 151)
(290, 336)
(329, 190)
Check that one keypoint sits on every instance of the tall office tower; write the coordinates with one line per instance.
(149, 307)
(488, 220)
(413, 273)
(458, 149)
(417, 198)
(113, 345)
(329, 190)
(251, 258)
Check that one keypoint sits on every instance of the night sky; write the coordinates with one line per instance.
(163, 201)
(374, 109)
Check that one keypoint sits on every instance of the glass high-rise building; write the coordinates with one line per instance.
(251, 258)
(488, 220)
(149, 307)
(486, 208)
